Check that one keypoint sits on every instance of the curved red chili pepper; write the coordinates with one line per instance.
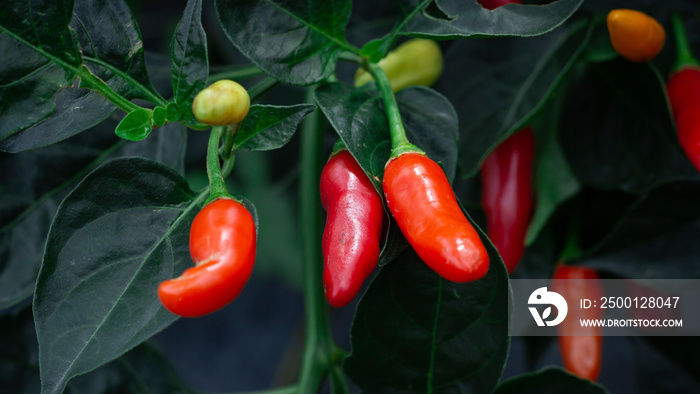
(353, 229)
(222, 245)
(506, 194)
(421, 200)
(684, 95)
(581, 347)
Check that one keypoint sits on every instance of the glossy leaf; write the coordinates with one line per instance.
(190, 64)
(296, 42)
(416, 332)
(268, 127)
(30, 35)
(624, 139)
(121, 232)
(76, 110)
(112, 47)
(468, 18)
(135, 126)
(30, 201)
(549, 381)
(513, 81)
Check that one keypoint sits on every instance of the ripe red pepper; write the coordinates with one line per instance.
(421, 200)
(222, 245)
(506, 194)
(493, 4)
(684, 95)
(353, 229)
(581, 347)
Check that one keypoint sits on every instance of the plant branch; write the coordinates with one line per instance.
(318, 345)
(216, 179)
(235, 74)
(258, 90)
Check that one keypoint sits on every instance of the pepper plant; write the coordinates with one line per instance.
(104, 167)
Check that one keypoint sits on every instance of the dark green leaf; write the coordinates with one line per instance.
(624, 139)
(295, 42)
(141, 370)
(549, 381)
(268, 127)
(76, 110)
(654, 238)
(112, 47)
(32, 186)
(135, 126)
(414, 330)
(190, 64)
(498, 85)
(554, 181)
(120, 233)
(468, 18)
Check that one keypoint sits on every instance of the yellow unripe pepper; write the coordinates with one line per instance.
(635, 35)
(222, 103)
(415, 62)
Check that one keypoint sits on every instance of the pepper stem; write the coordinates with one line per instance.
(399, 142)
(685, 56)
(217, 185)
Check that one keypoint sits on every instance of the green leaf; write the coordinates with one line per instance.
(653, 238)
(159, 116)
(468, 19)
(294, 42)
(549, 381)
(112, 47)
(190, 64)
(76, 110)
(416, 332)
(498, 85)
(268, 127)
(30, 201)
(173, 112)
(554, 180)
(35, 43)
(135, 126)
(624, 138)
(120, 233)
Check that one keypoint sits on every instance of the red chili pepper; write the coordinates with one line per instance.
(684, 95)
(421, 200)
(222, 245)
(493, 4)
(581, 347)
(353, 229)
(506, 194)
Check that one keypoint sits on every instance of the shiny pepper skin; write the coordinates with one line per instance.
(415, 62)
(222, 103)
(222, 245)
(684, 94)
(506, 194)
(421, 200)
(353, 229)
(493, 4)
(635, 35)
(581, 347)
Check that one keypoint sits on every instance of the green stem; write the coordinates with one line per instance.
(155, 98)
(318, 345)
(399, 142)
(279, 390)
(93, 82)
(217, 185)
(685, 54)
(236, 74)
(228, 166)
(229, 140)
(262, 87)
